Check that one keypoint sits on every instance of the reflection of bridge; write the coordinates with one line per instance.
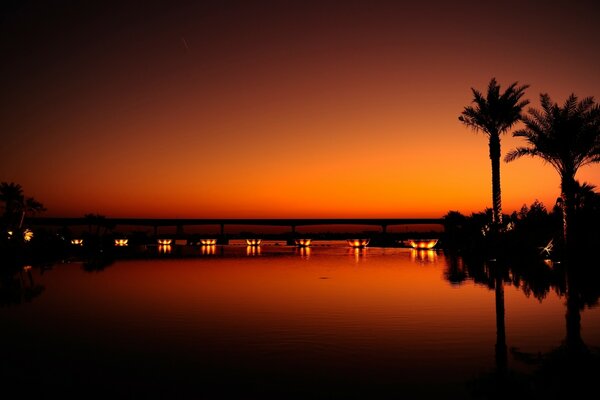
(179, 223)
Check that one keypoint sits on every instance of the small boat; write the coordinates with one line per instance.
(165, 242)
(303, 242)
(208, 242)
(253, 242)
(422, 243)
(357, 243)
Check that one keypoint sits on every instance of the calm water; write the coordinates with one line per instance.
(275, 321)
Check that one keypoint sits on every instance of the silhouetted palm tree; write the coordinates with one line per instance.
(16, 205)
(586, 196)
(30, 206)
(11, 194)
(493, 115)
(566, 137)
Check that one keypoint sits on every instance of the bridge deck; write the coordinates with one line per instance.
(59, 221)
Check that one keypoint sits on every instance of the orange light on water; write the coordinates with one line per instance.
(165, 241)
(304, 252)
(253, 250)
(164, 248)
(422, 243)
(77, 242)
(208, 249)
(208, 242)
(423, 255)
(253, 242)
(358, 242)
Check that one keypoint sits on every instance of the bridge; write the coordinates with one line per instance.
(180, 223)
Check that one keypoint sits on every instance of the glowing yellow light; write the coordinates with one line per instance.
(253, 242)
(121, 242)
(253, 250)
(27, 235)
(77, 242)
(208, 242)
(304, 252)
(10, 233)
(303, 242)
(164, 248)
(165, 242)
(358, 242)
(423, 255)
(422, 243)
(359, 253)
(208, 249)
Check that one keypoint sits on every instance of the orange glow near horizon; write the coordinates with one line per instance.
(356, 117)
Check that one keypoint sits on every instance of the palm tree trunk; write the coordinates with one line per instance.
(21, 219)
(496, 195)
(574, 341)
(567, 186)
(501, 353)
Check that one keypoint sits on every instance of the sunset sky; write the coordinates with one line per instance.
(278, 109)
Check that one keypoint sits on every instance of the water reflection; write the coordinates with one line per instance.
(359, 253)
(304, 252)
(268, 312)
(455, 272)
(253, 250)
(565, 370)
(423, 256)
(208, 250)
(18, 286)
(164, 249)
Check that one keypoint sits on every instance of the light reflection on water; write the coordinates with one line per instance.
(308, 318)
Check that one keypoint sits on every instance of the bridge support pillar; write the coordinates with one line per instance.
(222, 239)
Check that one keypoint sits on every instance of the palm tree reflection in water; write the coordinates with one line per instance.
(564, 371)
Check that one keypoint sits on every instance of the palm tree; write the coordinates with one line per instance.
(16, 205)
(30, 206)
(494, 115)
(11, 194)
(567, 138)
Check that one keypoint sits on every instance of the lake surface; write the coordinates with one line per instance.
(275, 321)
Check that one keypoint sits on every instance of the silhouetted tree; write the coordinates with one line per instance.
(566, 137)
(11, 194)
(16, 205)
(494, 115)
(29, 207)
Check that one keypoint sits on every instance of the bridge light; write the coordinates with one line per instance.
(422, 243)
(303, 242)
(358, 242)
